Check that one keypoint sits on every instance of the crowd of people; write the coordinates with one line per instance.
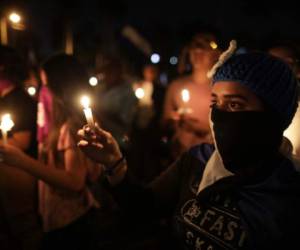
(209, 161)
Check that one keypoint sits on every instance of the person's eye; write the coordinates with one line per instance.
(236, 106)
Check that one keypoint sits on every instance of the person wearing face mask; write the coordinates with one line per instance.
(242, 192)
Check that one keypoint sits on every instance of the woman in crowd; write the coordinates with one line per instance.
(66, 203)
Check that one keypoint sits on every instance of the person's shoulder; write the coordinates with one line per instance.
(202, 152)
(193, 162)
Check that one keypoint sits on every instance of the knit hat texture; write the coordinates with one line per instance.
(272, 80)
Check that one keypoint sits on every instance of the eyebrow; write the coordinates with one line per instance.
(231, 96)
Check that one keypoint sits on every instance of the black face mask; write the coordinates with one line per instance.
(245, 138)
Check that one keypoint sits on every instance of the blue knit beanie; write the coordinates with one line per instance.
(266, 76)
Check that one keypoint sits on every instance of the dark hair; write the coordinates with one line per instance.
(65, 75)
(111, 63)
(12, 65)
(290, 49)
(67, 78)
(199, 40)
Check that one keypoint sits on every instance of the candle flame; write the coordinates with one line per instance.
(185, 95)
(139, 93)
(15, 17)
(31, 91)
(6, 122)
(93, 81)
(213, 45)
(85, 101)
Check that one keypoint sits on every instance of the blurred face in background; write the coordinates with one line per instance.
(203, 52)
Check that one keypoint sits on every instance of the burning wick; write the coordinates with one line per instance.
(85, 102)
(6, 125)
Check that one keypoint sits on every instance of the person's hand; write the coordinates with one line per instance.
(99, 145)
(11, 155)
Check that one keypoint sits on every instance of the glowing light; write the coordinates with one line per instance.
(6, 122)
(155, 58)
(6, 125)
(85, 102)
(213, 45)
(185, 95)
(173, 60)
(139, 93)
(31, 91)
(14, 17)
(93, 81)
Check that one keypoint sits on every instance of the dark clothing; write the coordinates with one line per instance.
(23, 110)
(76, 236)
(20, 224)
(148, 151)
(116, 112)
(158, 97)
(226, 215)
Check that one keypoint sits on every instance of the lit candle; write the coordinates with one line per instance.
(139, 93)
(85, 102)
(6, 125)
(185, 96)
(31, 90)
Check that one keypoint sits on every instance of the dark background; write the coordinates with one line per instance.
(166, 25)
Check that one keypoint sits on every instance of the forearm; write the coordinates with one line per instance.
(51, 175)
(156, 199)
(20, 139)
(18, 144)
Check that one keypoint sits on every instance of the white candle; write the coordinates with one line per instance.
(85, 102)
(6, 125)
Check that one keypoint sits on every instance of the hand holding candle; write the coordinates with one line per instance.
(6, 125)
(85, 102)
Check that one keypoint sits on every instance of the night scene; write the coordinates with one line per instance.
(149, 125)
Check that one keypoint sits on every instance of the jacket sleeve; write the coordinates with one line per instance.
(159, 198)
